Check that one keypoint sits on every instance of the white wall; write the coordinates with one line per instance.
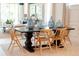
(74, 15)
(74, 22)
(67, 17)
(58, 11)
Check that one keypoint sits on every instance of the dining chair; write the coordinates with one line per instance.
(15, 40)
(43, 36)
(63, 36)
(66, 34)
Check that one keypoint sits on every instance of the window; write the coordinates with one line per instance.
(36, 9)
(9, 11)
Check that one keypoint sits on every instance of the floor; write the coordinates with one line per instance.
(67, 51)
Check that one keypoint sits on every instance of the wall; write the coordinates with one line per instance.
(74, 15)
(74, 22)
(59, 11)
(67, 15)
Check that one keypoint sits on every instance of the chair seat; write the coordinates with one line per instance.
(44, 38)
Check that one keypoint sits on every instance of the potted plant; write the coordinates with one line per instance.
(9, 22)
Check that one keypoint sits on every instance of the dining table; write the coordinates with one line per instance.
(29, 34)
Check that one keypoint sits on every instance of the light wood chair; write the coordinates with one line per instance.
(60, 36)
(14, 40)
(63, 36)
(66, 35)
(43, 36)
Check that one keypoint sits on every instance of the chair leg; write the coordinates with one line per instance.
(56, 45)
(10, 44)
(35, 43)
(49, 43)
(40, 47)
(20, 46)
(63, 42)
(69, 40)
(18, 43)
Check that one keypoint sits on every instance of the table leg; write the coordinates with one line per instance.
(28, 43)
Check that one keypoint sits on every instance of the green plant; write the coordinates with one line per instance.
(9, 21)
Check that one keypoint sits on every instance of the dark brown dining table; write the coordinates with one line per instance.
(29, 35)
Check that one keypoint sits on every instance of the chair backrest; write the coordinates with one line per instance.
(48, 32)
(13, 34)
(63, 32)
